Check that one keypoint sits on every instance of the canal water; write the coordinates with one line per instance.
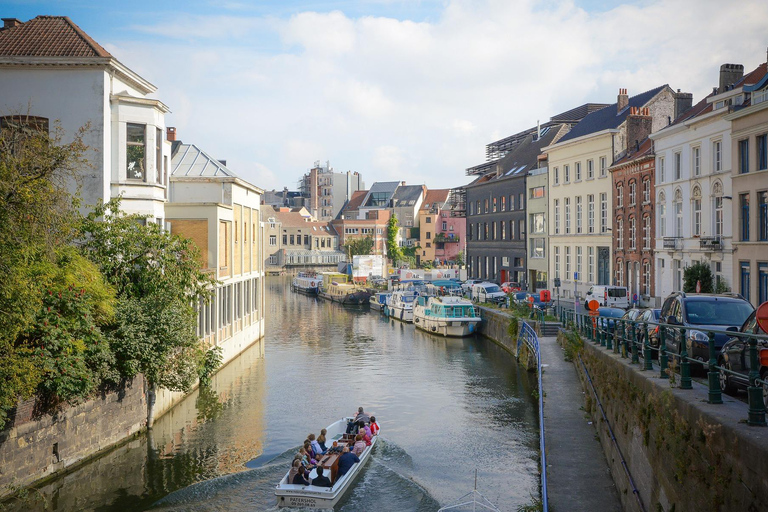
(447, 407)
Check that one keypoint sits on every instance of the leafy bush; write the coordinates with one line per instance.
(699, 271)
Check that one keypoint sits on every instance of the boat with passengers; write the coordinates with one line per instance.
(311, 496)
(400, 305)
(307, 283)
(448, 316)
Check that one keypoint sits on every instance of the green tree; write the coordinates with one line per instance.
(460, 258)
(159, 280)
(692, 274)
(358, 246)
(393, 250)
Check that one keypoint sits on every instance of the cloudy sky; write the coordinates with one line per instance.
(401, 89)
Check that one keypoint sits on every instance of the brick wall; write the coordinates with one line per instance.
(33, 448)
(195, 229)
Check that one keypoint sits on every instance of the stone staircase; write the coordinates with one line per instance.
(550, 328)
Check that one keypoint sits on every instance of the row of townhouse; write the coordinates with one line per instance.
(53, 74)
(630, 194)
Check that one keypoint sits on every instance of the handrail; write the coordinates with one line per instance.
(528, 336)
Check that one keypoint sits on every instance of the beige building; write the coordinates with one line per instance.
(749, 182)
(294, 239)
(580, 188)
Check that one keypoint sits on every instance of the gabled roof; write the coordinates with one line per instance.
(435, 196)
(356, 200)
(190, 161)
(608, 117)
(297, 220)
(386, 187)
(49, 36)
(407, 195)
(645, 150)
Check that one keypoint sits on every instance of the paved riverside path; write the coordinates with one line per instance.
(578, 478)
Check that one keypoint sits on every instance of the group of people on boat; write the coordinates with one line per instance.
(314, 448)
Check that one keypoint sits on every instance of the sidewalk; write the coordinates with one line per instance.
(578, 477)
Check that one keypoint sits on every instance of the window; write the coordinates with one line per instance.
(429, 234)
(678, 165)
(566, 174)
(537, 223)
(646, 277)
(273, 240)
(557, 261)
(567, 215)
(285, 239)
(134, 151)
(511, 203)
(717, 156)
(567, 262)
(522, 228)
(696, 160)
(578, 214)
(660, 170)
(762, 282)
(590, 169)
(677, 266)
(762, 215)
(696, 202)
(646, 191)
(590, 264)
(744, 281)
(521, 204)
(647, 232)
(619, 195)
(744, 156)
(511, 230)
(494, 233)
(478, 207)
(662, 215)
(444, 228)
(718, 216)
(485, 229)
(158, 156)
(761, 141)
(619, 272)
(578, 171)
(678, 213)
(495, 209)
(537, 192)
(503, 230)
(620, 234)
(469, 232)
(632, 193)
(273, 259)
(591, 213)
(292, 240)
(744, 207)
(632, 234)
(471, 208)
(603, 167)
(578, 275)
(537, 248)
(503, 204)
(603, 212)
(557, 176)
(557, 216)
(485, 210)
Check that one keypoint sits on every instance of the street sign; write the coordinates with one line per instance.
(762, 316)
(593, 305)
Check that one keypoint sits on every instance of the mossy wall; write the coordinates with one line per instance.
(496, 327)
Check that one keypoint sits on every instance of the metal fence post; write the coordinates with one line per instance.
(602, 333)
(755, 391)
(715, 395)
(608, 338)
(620, 344)
(646, 348)
(685, 366)
(663, 357)
(635, 355)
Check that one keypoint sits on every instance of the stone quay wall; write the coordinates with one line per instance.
(495, 326)
(681, 452)
(33, 448)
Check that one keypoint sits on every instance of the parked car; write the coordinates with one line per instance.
(520, 297)
(511, 287)
(608, 317)
(488, 292)
(698, 312)
(734, 356)
(652, 316)
(611, 296)
(467, 285)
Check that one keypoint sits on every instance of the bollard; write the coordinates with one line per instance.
(646, 348)
(715, 395)
(635, 355)
(663, 357)
(685, 366)
(755, 390)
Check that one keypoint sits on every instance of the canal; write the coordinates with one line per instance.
(446, 407)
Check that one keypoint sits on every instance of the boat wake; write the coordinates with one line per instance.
(386, 483)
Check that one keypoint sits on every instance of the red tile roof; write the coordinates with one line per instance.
(356, 200)
(439, 196)
(646, 149)
(49, 36)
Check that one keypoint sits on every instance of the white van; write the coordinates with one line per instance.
(611, 296)
(488, 292)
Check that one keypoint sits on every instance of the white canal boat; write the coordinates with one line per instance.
(447, 316)
(400, 305)
(379, 300)
(310, 496)
(306, 283)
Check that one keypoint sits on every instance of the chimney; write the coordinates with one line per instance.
(639, 126)
(729, 75)
(10, 23)
(622, 100)
(683, 102)
(171, 133)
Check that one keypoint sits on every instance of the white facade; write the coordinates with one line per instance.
(693, 194)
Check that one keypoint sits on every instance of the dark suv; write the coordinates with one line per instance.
(735, 357)
(698, 312)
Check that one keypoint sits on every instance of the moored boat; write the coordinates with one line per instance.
(447, 316)
(346, 293)
(400, 305)
(306, 283)
(379, 300)
(310, 496)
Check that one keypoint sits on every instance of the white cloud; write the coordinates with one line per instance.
(418, 101)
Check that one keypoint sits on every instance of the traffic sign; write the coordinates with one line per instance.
(762, 316)
(593, 305)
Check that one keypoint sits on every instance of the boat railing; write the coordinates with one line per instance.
(528, 336)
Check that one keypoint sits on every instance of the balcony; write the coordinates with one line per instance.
(440, 237)
(673, 243)
(711, 243)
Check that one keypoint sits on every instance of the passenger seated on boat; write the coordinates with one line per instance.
(374, 426)
(299, 479)
(346, 461)
(315, 445)
(311, 451)
(359, 420)
(296, 468)
(359, 445)
(321, 440)
(366, 435)
(305, 460)
(321, 480)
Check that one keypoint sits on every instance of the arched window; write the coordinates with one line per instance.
(696, 207)
(619, 195)
(632, 192)
(632, 233)
(717, 204)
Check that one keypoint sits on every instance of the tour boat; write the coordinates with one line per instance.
(400, 305)
(379, 300)
(346, 293)
(309, 496)
(449, 316)
(306, 283)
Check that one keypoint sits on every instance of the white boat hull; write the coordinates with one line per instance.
(402, 314)
(309, 496)
(444, 327)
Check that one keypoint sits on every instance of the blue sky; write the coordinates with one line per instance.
(399, 89)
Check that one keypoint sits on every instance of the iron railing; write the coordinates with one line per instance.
(630, 339)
